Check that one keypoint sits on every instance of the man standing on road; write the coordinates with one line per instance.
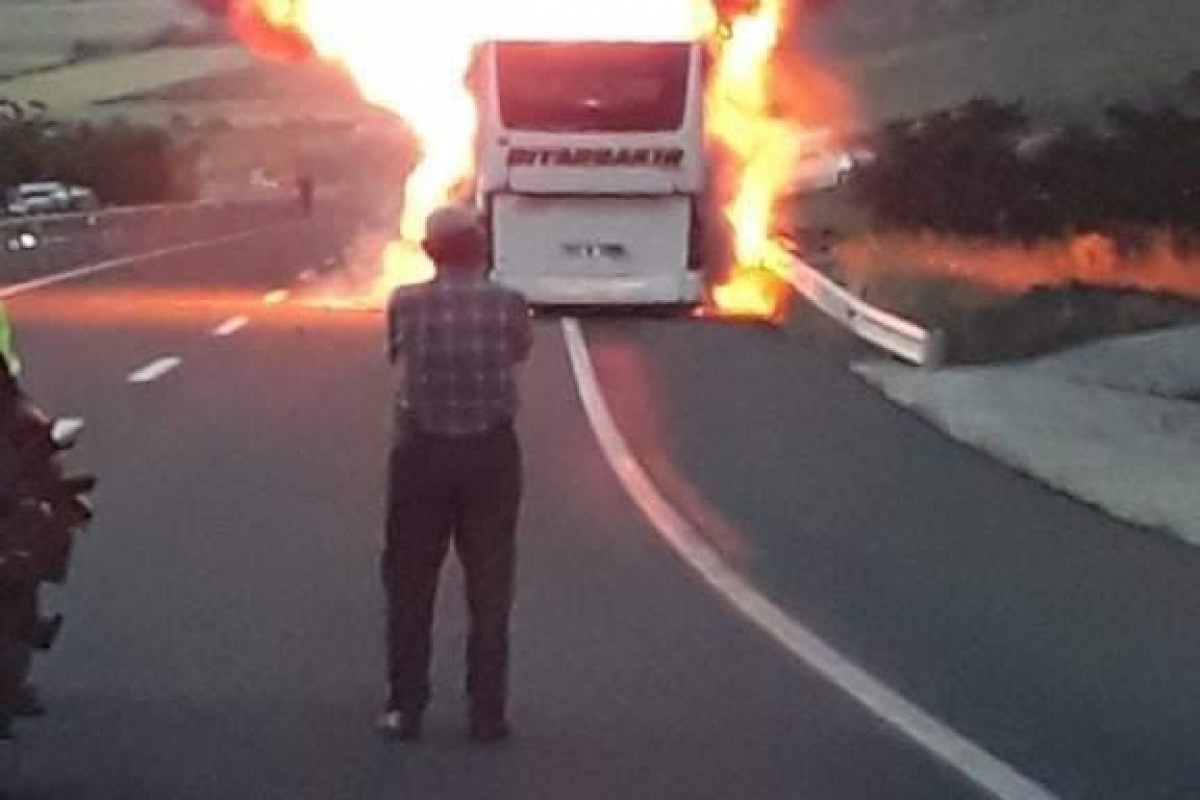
(306, 194)
(455, 471)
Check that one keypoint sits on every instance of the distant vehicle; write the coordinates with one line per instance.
(48, 197)
(82, 198)
(823, 164)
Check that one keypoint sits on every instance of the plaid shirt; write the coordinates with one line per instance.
(456, 341)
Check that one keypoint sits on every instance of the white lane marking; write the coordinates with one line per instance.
(275, 297)
(155, 370)
(981, 768)
(230, 326)
(307, 276)
(125, 261)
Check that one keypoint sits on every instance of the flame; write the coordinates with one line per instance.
(752, 293)
(413, 63)
(1159, 264)
(738, 118)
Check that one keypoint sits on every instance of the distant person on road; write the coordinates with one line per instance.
(455, 471)
(306, 194)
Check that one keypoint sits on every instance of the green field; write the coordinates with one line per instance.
(37, 38)
(76, 90)
(37, 33)
(41, 42)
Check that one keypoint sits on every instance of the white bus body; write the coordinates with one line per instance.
(592, 170)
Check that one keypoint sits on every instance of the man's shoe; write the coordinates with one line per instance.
(399, 726)
(489, 730)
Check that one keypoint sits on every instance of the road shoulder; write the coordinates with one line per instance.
(1115, 424)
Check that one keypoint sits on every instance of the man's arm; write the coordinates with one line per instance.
(394, 327)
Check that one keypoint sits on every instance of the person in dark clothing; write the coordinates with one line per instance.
(38, 519)
(455, 471)
(306, 194)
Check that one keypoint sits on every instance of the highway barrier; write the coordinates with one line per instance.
(902, 338)
(31, 246)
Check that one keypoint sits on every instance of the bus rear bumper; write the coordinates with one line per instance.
(667, 290)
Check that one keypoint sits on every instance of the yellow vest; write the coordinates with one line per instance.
(7, 349)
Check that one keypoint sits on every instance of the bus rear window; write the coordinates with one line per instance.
(601, 88)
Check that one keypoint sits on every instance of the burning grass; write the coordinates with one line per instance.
(999, 302)
(1152, 261)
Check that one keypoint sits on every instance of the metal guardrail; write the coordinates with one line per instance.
(31, 245)
(90, 217)
(900, 337)
(96, 216)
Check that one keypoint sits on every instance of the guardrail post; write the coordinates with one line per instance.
(935, 350)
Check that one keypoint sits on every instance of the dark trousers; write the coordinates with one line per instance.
(16, 654)
(465, 490)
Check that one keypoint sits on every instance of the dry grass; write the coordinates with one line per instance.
(17, 62)
(997, 302)
(37, 37)
(259, 93)
(37, 34)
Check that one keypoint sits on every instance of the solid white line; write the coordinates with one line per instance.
(230, 326)
(981, 768)
(155, 370)
(125, 261)
(275, 297)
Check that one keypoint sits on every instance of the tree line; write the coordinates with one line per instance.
(123, 163)
(980, 170)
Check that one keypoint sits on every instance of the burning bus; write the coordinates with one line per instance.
(589, 136)
(592, 173)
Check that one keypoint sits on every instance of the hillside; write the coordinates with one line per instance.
(901, 57)
(1062, 57)
(40, 34)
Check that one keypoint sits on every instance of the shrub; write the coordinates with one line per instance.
(124, 164)
(977, 171)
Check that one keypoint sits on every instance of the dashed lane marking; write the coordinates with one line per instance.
(275, 297)
(230, 326)
(155, 370)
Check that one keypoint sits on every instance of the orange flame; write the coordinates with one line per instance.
(413, 64)
(1093, 259)
(745, 120)
(752, 293)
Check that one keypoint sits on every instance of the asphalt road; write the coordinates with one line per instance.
(224, 613)
(1062, 641)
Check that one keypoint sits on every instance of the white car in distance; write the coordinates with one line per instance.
(48, 197)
